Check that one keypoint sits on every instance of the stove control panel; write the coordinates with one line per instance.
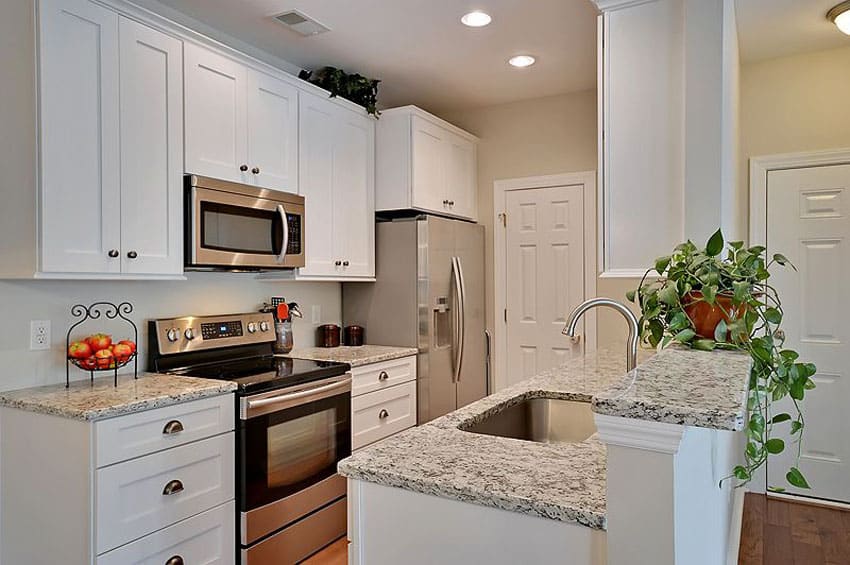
(195, 333)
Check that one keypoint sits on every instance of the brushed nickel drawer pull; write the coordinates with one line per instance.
(382, 376)
(173, 427)
(173, 487)
(383, 414)
(176, 560)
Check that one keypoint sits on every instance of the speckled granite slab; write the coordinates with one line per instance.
(354, 356)
(99, 400)
(683, 386)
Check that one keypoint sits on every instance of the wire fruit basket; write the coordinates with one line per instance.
(94, 363)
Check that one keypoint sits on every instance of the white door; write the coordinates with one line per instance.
(151, 150)
(430, 151)
(316, 144)
(461, 188)
(354, 193)
(272, 132)
(216, 116)
(808, 221)
(545, 276)
(80, 168)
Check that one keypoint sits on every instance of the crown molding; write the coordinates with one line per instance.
(640, 434)
(611, 5)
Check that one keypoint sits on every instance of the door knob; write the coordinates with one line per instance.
(113, 253)
(243, 168)
(256, 170)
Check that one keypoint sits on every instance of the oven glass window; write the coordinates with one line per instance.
(240, 229)
(300, 449)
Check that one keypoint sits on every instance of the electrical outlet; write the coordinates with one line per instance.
(39, 334)
(317, 313)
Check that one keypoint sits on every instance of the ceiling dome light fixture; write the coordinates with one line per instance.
(522, 61)
(476, 18)
(840, 16)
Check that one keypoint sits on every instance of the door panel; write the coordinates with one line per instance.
(545, 276)
(151, 150)
(469, 248)
(461, 185)
(429, 166)
(216, 115)
(272, 132)
(808, 222)
(80, 168)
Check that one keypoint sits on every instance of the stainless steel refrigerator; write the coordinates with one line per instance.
(429, 294)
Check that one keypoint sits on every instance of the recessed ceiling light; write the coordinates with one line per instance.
(476, 19)
(522, 61)
(840, 16)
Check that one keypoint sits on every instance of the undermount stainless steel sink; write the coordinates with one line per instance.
(545, 420)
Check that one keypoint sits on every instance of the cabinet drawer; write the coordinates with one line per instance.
(379, 376)
(207, 538)
(382, 413)
(131, 499)
(126, 437)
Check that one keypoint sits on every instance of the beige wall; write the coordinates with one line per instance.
(545, 136)
(797, 103)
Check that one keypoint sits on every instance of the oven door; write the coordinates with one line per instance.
(289, 444)
(241, 231)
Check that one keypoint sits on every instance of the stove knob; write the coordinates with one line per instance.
(252, 327)
(172, 334)
(189, 333)
(264, 326)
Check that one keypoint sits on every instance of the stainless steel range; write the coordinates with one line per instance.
(293, 427)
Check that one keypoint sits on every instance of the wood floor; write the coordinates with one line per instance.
(778, 532)
(334, 554)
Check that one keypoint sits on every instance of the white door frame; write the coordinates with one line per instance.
(500, 189)
(761, 165)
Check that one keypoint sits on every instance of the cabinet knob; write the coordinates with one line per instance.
(337, 263)
(445, 202)
(176, 560)
(173, 427)
(256, 170)
(132, 254)
(345, 263)
(243, 168)
(113, 253)
(383, 414)
(451, 202)
(382, 376)
(173, 487)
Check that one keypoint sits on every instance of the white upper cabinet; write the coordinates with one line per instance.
(111, 144)
(337, 180)
(241, 124)
(425, 163)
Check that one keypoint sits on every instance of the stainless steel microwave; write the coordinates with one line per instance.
(233, 226)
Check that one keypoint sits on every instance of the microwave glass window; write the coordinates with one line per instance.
(300, 449)
(239, 229)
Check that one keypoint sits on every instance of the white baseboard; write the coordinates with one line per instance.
(735, 525)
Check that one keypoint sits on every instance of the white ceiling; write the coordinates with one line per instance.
(419, 48)
(776, 28)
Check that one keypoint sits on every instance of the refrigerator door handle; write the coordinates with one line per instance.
(460, 292)
(488, 355)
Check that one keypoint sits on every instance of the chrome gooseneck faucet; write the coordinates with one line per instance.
(631, 354)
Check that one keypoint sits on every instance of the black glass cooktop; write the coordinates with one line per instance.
(258, 374)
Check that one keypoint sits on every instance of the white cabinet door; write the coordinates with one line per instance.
(216, 115)
(151, 96)
(80, 168)
(429, 158)
(354, 193)
(316, 142)
(272, 132)
(461, 188)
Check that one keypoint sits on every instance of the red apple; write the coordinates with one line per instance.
(104, 358)
(88, 363)
(129, 343)
(121, 352)
(79, 350)
(99, 341)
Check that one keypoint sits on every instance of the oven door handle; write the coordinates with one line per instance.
(284, 223)
(292, 399)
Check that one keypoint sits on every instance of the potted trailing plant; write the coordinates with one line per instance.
(353, 87)
(706, 300)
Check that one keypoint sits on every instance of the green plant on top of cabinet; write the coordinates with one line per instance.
(241, 124)
(111, 116)
(425, 163)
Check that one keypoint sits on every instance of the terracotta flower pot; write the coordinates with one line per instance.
(706, 316)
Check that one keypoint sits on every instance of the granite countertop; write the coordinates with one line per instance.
(354, 356)
(560, 481)
(85, 400)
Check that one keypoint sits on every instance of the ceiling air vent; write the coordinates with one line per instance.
(301, 23)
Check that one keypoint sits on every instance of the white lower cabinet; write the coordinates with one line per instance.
(383, 400)
(206, 538)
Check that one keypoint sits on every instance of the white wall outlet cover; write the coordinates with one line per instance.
(39, 334)
(316, 313)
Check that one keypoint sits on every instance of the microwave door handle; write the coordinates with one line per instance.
(284, 223)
